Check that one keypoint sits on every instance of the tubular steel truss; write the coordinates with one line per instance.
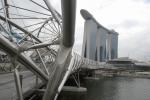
(40, 47)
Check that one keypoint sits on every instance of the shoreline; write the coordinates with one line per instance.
(123, 74)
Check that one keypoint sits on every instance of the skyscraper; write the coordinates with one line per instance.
(99, 43)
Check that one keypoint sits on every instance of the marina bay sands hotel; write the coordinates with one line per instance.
(99, 43)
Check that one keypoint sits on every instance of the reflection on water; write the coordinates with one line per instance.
(113, 89)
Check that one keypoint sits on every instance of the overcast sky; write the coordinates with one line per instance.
(130, 18)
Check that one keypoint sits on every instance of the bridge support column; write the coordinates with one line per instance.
(63, 59)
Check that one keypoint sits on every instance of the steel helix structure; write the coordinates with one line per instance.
(46, 28)
(44, 47)
(31, 47)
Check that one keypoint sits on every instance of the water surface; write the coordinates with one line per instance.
(119, 88)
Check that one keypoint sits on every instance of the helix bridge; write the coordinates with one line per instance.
(35, 37)
(36, 49)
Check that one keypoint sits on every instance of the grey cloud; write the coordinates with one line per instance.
(136, 45)
(147, 1)
(129, 24)
(144, 1)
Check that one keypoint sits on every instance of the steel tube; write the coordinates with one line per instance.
(61, 64)
(52, 10)
(68, 19)
(44, 44)
(18, 84)
(43, 63)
